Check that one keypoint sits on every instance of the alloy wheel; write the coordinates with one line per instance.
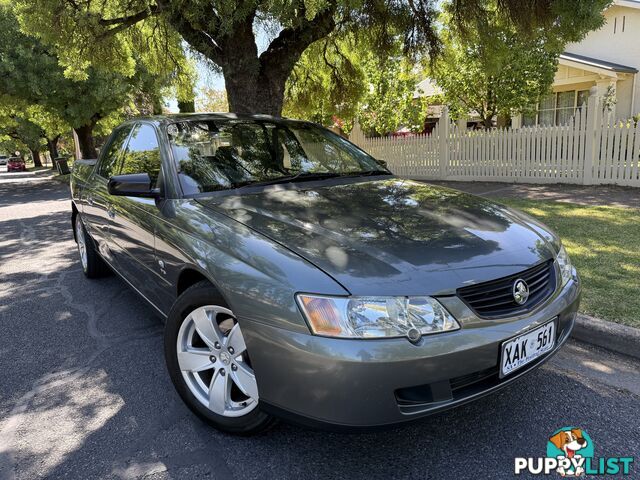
(82, 243)
(213, 360)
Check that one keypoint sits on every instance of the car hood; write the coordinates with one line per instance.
(389, 236)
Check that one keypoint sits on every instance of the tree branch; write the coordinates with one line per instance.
(129, 20)
(201, 40)
(285, 50)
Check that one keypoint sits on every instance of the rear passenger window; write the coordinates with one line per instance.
(113, 152)
(143, 153)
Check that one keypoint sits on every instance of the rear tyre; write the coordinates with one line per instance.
(209, 364)
(93, 265)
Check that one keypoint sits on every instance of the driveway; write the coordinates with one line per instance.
(84, 392)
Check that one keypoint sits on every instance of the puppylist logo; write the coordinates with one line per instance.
(570, 454)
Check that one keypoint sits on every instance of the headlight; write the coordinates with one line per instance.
(375, 317)
(565, 265)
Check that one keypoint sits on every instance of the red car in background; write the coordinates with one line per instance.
(16, 164)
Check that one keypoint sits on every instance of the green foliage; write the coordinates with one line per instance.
(558, 21)
(115, 29)
(126, 36)
(121, 35)
(60, 98)
(339, 80)
(212, 100)
(389, 103)
(498, 67)
(31, 73)
(329, 81)
(83, 31)
(17, 132)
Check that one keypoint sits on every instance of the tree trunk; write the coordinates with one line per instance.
(502, 121)
(52, 146)
(241, 69)
(86, 142)
(35, 154)
(255, 93)
(254, 83)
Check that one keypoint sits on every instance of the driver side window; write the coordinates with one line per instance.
(113, 152)
(143, 153)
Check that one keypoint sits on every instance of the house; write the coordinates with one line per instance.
(605, 62)
(427, 88)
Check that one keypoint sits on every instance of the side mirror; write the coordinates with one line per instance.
(382, 163)
(132, 185)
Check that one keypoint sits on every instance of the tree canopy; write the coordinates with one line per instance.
(106, 32)
(18, 132)
(30, 71)
(491, 68)
(212, 100)
(351, 82)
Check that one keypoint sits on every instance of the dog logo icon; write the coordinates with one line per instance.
(570, 453)
(572, 444)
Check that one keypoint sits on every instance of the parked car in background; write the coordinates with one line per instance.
(16, 164)
(3, 159)
(300, 279)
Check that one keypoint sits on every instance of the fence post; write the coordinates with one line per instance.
(591, 149)
(443, 142)
(357, 135)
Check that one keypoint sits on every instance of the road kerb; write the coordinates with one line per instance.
(611, 336)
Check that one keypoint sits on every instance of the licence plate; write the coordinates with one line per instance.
(525, 348)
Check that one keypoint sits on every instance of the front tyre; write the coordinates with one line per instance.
(209, 364)
(93, 265)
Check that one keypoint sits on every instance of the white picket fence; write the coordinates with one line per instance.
(591, 149)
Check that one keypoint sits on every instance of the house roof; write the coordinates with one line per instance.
(627, 3)
(594, 62)
(426, 88)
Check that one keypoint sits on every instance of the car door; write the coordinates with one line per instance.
(133, 219)
(96, 200)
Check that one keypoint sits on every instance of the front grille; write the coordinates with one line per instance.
(495, 298)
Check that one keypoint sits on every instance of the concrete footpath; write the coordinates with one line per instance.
(594, 195)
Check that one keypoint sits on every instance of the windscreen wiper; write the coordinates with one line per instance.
(304, 176)
(307, 177)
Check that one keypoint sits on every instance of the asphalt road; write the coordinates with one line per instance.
(84, 393)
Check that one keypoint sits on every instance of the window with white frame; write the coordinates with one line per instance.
(556, 108)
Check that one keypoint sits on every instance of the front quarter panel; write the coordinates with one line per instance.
(257, 277)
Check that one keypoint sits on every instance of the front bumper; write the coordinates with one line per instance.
(346, 383)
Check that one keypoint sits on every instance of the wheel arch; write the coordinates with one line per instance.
(190, 275)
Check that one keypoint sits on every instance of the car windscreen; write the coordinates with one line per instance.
(222, 154)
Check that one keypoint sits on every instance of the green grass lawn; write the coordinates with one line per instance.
(604, 245)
